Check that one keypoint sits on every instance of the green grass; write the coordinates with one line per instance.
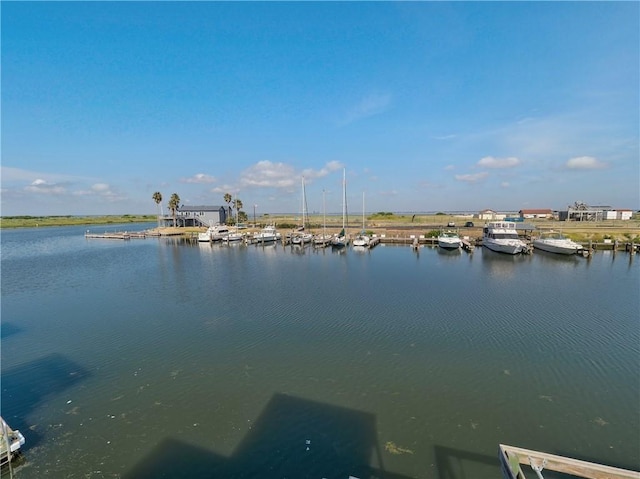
(69, 220)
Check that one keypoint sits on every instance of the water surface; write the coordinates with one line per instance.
(156, 358)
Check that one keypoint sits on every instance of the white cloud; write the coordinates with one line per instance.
(199, 178)
(102, 191)
(42, 187)
(585, 163)
(267, 174)
(472, 178)
(492, 162)
(324, 171)
(370, 105)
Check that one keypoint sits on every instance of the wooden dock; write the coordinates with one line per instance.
(120, 235)
(10, 442)
(512, 458)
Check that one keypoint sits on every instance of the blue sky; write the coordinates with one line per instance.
(430, 106)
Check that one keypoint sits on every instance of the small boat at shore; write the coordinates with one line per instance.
(450, 240)
(214, 233)
(266, 235)
(556, 242)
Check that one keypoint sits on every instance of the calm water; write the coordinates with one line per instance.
(154, 358)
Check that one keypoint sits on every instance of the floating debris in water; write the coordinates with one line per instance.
(393, 448)
(546, 398)
(600, 422)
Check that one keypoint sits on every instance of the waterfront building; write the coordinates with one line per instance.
(201, 215)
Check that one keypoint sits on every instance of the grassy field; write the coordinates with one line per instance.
(35, 221)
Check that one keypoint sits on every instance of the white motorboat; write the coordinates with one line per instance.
(556, 242)
(214, 233)
(266, 235)
(233, 236)
(502, 237)
(449, 240)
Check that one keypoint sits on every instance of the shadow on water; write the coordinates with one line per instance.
(292, 437)
(25, 387)
(459, 464)
(8, 329)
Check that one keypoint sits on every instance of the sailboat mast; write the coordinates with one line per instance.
(305, 213)
(344, 197)
(324, 218)
(363, 212)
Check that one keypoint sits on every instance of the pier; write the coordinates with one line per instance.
(10, 443)
(512, 459)
(121, 235)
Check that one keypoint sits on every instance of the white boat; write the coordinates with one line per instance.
(502, 237)
(556, 242)
(233, 236)
(301, 238)
(341, 240)
(323, 239)
(12, 440)
(266, 235)
(362, 239)
(449, 239)
(214, 233)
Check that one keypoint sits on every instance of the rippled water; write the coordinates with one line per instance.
(156, 358)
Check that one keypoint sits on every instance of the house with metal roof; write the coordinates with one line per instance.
(201, 215)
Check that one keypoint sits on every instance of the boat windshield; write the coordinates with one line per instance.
(505, 236)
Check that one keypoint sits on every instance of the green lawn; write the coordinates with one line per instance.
(33, 221)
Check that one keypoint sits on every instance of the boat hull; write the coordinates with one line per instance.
(449, 243)
(361, 241)
(557, 247)
(510, 247)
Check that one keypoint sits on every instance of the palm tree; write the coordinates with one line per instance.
(238, 205)
(174, 202)
(227, 200)
(157, 197)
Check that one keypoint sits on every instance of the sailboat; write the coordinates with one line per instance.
(341, 240)
(303, 237)
(362, 239)
(324, 239)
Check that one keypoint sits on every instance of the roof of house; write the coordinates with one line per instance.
(534, 212)
(199, 208)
